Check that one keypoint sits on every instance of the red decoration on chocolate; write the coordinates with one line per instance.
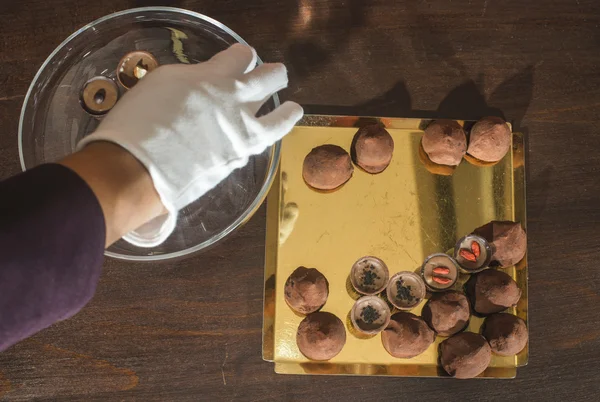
(467, 255)
(476, 249)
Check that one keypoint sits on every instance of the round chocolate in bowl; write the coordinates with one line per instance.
(306, 290)
(321, 336)
(473, 253)
(372, 148)
(406, 290)
(491, 291)
(465, 355)
(327, 167)
(369, 275)
(507, 239)
(489, 141)
(506, 333)
(447, 313)
(439, 272)
(407, 335)
(370, 315)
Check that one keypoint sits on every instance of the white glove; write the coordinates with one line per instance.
(192, 125)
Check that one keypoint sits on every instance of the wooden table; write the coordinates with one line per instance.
(191, 330)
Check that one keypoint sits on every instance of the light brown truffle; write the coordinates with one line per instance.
(321, 336)
(489, 139)
(372, 148)
(508, 241)
(506, 333)
(407, 335)
(327, 167)
(306, 290)
(465, 355)
(445, 142)
(492, 291)
(447, 313)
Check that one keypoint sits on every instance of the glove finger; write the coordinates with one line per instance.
(259, 84)
(238, 59)
(274, 126)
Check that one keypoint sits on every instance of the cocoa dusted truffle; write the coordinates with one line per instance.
(372, 148)
(306, 290)
(492, 291)
(465, 355)
(327, 167)
(321, 336)
(489, 140)
(508, 241)
(445, 142)
(506, 333)
(447, 313)
(407, 335)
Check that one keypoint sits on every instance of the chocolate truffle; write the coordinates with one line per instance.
(506, 333)
(306, 290)
(407, 335)
(492, 291)
(327, 167)
(489, 140)
(447, 313)
(508, 241)
(321, 336)
(372, 148)
(465, 355)
(445, 142)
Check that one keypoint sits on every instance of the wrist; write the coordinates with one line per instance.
(121, 184)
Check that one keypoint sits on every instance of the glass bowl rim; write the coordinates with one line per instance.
(275, 149)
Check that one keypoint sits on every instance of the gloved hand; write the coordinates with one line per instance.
(192, 125)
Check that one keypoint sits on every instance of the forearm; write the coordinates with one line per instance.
(52, 237)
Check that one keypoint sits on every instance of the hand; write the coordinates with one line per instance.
(192, 125)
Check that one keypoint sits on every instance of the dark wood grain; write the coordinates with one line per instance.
(191, 330)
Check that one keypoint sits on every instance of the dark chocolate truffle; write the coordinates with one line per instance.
(321, 336)
(407, 335)
(327, 167)
(506, 333)
(492, 291)
(447, 313)
(465, 355)
(445, 142)
(306, 290)
(489, 140)
(372, 148)
(508, 240)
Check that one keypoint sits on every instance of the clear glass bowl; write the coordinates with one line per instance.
(53, 121)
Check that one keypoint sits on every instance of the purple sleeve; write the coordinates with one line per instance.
(52, 236)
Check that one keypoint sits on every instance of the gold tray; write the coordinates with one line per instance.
(401, 216)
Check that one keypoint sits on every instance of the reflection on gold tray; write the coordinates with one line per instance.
(401, 216)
